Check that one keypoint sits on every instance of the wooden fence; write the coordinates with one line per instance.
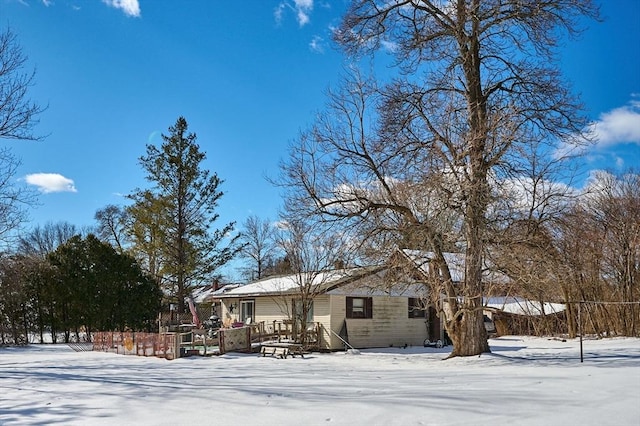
(164, 345)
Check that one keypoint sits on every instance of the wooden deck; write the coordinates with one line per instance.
(284, 332)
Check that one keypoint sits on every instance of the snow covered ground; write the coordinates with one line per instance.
(525, 381)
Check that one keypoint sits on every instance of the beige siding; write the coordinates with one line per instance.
(322, 315)
(270, 309)
(226, 315)
(390, 326)
(338, 309)
(267, 309)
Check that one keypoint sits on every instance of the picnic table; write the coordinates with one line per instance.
(281, 349)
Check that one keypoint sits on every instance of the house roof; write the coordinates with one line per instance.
(207, 293)
(284, 284)
(521, 306)
(339, 282)
(366, 289)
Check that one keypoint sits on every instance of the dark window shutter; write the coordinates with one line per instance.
(369, 312)
(349, 307)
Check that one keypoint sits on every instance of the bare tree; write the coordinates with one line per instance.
(42, 240)
(479, 84)
(14, 198)
(617, 208)
(17, 119)
(314, 254)
(600, 241)
(18, 114)
(259, 246)
(528, 204)
(112, 226)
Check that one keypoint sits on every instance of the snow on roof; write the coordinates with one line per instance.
(367, 281)
(206, 293)
(521, 306)
(417, 290)
(291, 283)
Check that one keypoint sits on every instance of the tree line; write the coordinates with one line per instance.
(82, 286)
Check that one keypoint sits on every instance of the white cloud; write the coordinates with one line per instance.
(50, 182)
(620, 125)
(317, 44)
(302, 9)
(389, 46)
(129, 7)
(47, 3)
(303, 17)
(536, 197)
(277, 13)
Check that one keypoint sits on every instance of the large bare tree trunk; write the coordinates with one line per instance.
(468, 334)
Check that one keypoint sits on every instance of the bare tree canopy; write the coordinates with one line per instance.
(480, 98)
(18, 114)
(258, 247)
(17, 119)
(312, 250)
(14, 198)
(112, 222)
(42, 240)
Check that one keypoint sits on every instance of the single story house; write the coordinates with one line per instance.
(356, 307)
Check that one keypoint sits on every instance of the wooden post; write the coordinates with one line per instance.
(580, 329)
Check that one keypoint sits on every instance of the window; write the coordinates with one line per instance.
(246, 310)
(297, 310)
(359, 307)
(417, 308)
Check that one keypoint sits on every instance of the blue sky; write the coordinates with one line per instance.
(247, 76)
(247, 79)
